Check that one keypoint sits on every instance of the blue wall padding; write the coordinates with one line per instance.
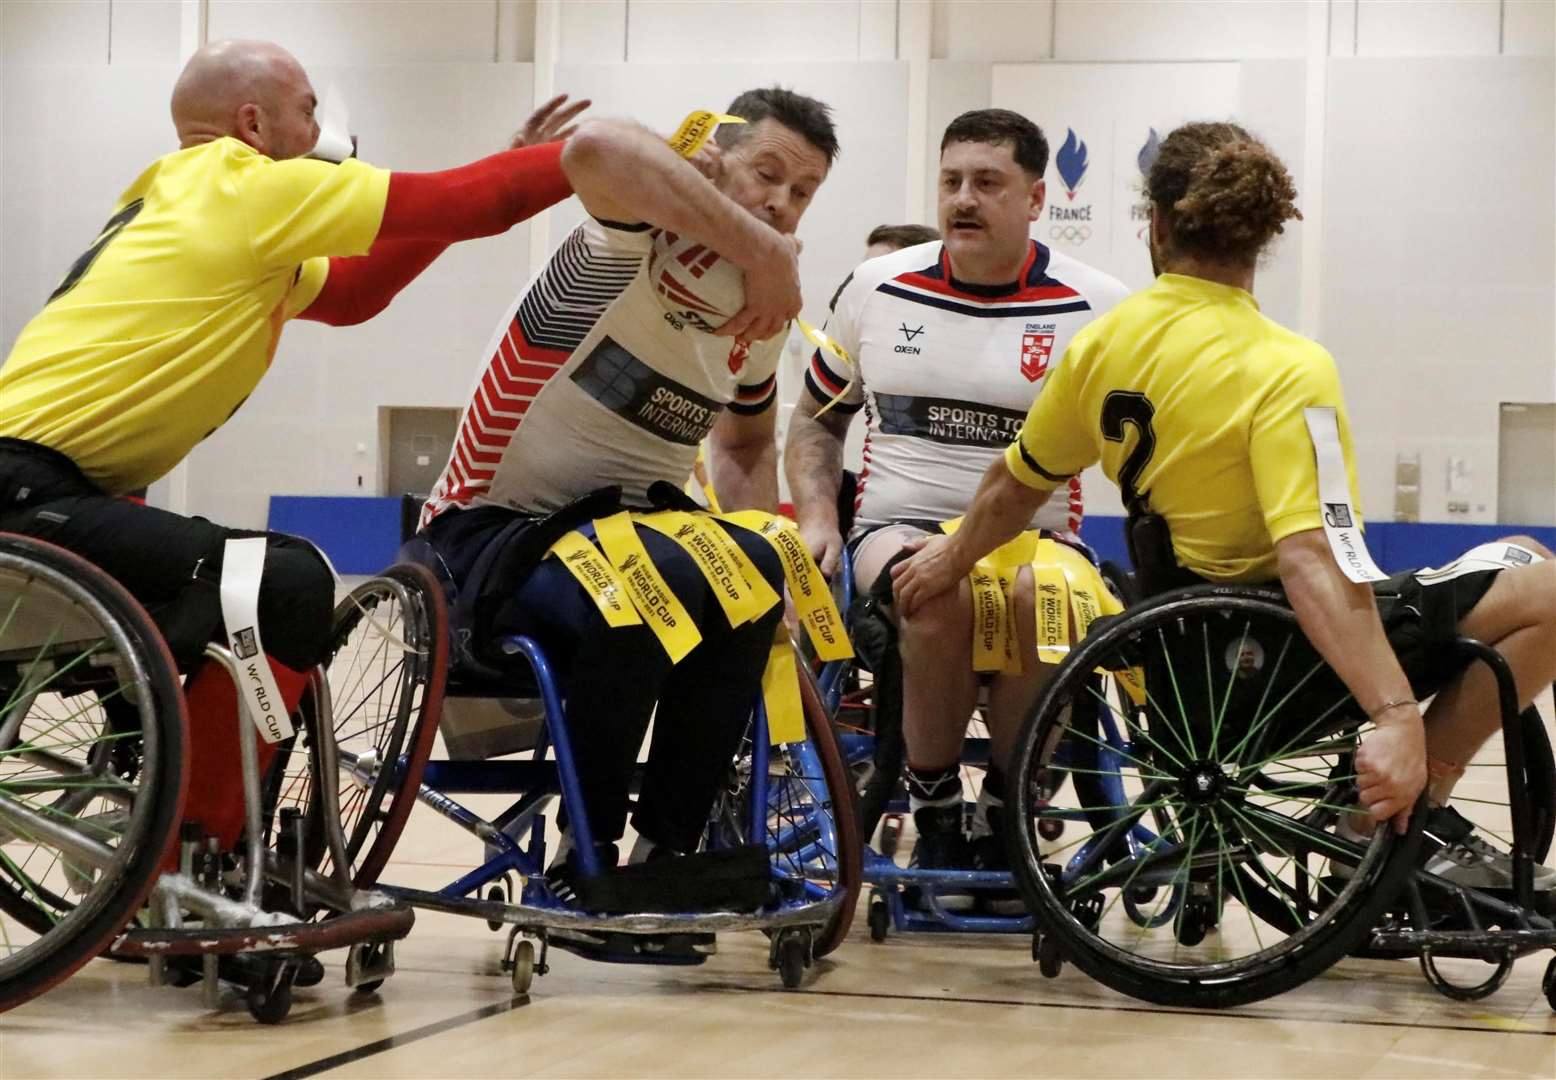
(360, 534)
(1395, 545)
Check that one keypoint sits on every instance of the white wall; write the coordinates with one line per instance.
(1411, 157)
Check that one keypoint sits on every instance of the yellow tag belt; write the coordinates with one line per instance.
(629, 590)
(1065, 587)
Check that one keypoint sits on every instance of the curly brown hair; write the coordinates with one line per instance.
(1225, 194)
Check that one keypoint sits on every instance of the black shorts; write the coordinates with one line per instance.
(1422, 623)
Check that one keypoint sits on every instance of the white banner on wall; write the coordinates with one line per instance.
(1100, 120)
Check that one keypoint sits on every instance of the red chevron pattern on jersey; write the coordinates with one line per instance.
(517, 371)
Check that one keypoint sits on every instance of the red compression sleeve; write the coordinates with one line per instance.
(359, 288)
(483, 198)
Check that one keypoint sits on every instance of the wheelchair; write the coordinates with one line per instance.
(507, 734)
(93, 773)
(869, 723)
(1174, 798)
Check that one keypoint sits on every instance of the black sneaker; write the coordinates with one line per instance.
(564, 877)
(941, 846)
(988, 853)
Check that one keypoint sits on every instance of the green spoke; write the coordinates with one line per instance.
(1315, 837)
(1237, 884)
(1132, 728)
(77, 821)
(1172, 676)
(1145, 769)
(1258, 709)
(1097, 832)
(28, 884)
(25, 748)
(32, 742)
(1226, 699)
(1123, 889)
(1292, 856)
(1315, 750)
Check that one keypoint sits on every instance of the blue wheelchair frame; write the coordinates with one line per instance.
(515, 840)
(887, 879)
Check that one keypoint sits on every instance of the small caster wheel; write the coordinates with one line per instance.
(1548, 984)
(1045, 951)
(1193, 923)
(497, 894)
(270, 997)
(880, 920)
(793, 958)
(523, 971)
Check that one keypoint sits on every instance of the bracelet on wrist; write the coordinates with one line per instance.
(1392, 703)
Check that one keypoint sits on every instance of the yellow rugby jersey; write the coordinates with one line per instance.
(167, 322)
(1192, 400)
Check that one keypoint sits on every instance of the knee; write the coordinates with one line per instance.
(296, 604)
(1532, 544)
(941, 624)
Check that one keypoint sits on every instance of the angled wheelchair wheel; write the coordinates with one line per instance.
(92, 769)
(1198, 863)
(811, 826)
(382, 693)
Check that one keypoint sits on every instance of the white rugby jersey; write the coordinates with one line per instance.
(947, 371)
(590, 382)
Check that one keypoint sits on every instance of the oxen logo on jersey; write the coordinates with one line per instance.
(1037, 348)
(1071, 162)
(910, 334)
(910, 349)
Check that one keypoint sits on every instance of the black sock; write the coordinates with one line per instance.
(934, 787)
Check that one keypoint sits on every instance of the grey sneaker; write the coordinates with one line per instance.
(1467, 859)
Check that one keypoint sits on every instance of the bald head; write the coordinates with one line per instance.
(255, 91)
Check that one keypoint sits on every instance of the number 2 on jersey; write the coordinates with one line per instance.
(1120, 408)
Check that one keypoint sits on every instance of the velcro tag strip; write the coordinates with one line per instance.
(664, 613)
(598, 578)
(781, 692)
(1342, 525)
(737, 585)
(697, 129)
(808, 589)
(830, 345)
(243, 564)
(1064, 584)
(1497, 555)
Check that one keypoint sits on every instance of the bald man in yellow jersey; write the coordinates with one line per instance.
(1195, 404)
(165, 324)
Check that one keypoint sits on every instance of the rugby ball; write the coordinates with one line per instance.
(693, 283)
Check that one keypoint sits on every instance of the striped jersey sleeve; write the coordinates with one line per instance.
(828, 377)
